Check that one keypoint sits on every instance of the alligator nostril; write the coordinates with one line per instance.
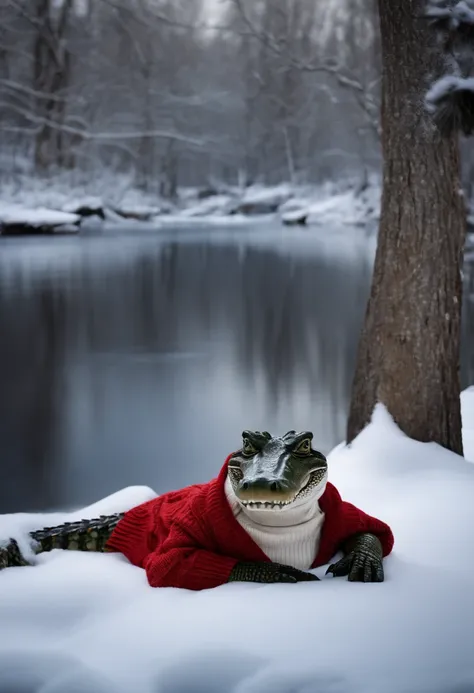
(274, 486)
(245, 485)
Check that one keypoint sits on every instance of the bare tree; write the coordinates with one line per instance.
(51, 78)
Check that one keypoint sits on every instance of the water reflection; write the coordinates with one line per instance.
(139, 360)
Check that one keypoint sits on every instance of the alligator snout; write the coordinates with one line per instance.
(261, 484)
(262, 489)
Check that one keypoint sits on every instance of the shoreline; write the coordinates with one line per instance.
(54, 211)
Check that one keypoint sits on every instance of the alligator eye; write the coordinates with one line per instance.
(304, 448)
(248, 448)
(236, 474)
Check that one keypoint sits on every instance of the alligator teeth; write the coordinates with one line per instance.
(266, 504)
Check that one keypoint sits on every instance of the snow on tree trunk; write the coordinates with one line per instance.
(408, 355)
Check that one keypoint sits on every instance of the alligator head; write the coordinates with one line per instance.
(274, 473)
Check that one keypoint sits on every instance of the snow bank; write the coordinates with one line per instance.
(467, 411)
(17, 215)
(116, 199)
(90, 623)
(216, 204)
(331, 206)
(90, 203)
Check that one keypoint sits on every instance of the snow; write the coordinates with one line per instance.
(464, 12)
(15, 214)
(90, 623)
(344, 207)
(467, 410)
(216, 204)
(262, 195)
(294, 216)
(340, 203)
(461, 12)
(444, 86)
(90, 202)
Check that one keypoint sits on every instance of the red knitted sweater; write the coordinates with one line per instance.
(191, 539)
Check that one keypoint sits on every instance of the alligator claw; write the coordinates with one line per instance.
(341, 568)
(363, 563)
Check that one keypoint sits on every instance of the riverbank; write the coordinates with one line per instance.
(38, 206)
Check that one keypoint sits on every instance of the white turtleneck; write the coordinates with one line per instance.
(303, 521)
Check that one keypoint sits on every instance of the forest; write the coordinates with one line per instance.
(174, 93)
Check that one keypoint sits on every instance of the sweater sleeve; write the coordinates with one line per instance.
(179, 562)
(356, 521)
(133, 535)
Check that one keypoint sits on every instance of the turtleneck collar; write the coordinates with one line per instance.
(301, 511)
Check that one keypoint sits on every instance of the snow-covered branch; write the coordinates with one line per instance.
(450, 100)
(446, 17)
(279, 46)
(85, 134)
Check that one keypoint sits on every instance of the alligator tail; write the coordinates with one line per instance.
(84, 535)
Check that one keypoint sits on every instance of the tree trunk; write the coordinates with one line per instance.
(169, 172)
(51, 78)
(408, 356)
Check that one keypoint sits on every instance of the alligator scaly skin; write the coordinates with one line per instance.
(261, 571)
(84, 535)
(10, 556)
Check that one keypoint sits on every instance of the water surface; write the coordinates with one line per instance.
(139, 357)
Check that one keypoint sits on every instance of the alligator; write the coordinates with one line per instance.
(278, 491)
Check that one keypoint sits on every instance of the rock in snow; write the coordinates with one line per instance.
(17, 221)
(87, 207)
(90, 623)
(297, 217)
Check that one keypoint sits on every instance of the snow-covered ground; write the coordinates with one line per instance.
(90, 623)
(342, 203)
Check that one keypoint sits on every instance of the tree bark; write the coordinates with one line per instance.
(408, 357)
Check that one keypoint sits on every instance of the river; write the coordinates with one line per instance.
(138, 357)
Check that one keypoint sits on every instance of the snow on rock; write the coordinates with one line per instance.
(263, 200)
(215, 204)
(87, 206)
(140, 212)
(119, 201)
(328, 205)
(93, 619)
(295, 217)
(273, 195)
(14, 214)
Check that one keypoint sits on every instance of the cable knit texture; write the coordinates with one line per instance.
(191, 539)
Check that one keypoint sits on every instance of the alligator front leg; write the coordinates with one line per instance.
(85, 535)
(363, 560)
(261, 571)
